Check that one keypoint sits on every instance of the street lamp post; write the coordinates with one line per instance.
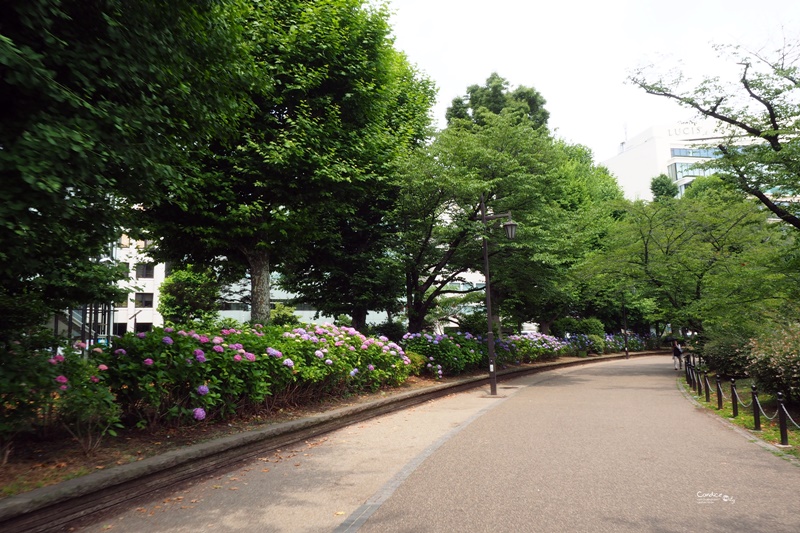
(625, 325)
(510, 228)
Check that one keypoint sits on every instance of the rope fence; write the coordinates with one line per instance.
(702, 386)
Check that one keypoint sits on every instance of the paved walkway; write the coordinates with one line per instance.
(613, 446)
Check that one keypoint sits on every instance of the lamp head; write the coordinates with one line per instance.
(510, 228)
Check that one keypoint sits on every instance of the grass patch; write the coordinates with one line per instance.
(770, 430)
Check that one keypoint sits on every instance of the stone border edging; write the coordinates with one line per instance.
(51, 508)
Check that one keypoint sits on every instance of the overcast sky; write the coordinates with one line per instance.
(578, 53)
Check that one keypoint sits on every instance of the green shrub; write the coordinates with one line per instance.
(564, 325)
(418, 362)
(590, 326)
(283, 315)
(477, 323)
(729, 356)
(582, 326)
(775, 362)
(596, 344)
(394, 331)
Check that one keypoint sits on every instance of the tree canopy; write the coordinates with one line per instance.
(104, 103)
(759, 145)
(663, 188)
(332, 104)
(494, 97)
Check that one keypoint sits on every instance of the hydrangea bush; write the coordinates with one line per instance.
(181, 376)
(616, 343)
(46, 383)
(534, 346)
(447, 354)
(177, 375)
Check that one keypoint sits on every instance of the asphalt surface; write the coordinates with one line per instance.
(611, 446)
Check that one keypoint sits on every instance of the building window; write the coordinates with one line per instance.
(678, 171)
(143, 327)
(145, 270)
(235, 306)
(120, 328)
(144, 299)
(708, 153)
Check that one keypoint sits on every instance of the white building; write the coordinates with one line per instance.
(667, 149)
(138, 312)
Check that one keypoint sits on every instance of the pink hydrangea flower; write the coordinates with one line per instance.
(102, 367)
(61, 379)
(148, 361)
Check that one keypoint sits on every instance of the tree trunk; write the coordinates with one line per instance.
(359, 319)
(258, 261)
(416, 315)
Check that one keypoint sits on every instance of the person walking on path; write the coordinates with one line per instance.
(677, 355)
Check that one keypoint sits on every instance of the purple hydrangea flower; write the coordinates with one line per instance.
(288, 362)
(202, 390)
(169, 330)
(353, 372)
(328, 362)
(120, 351)
(141, 335)
(167, 340)
(319, 354)
(370, 367)
(199, 413)
(219, 349)
(250, 356)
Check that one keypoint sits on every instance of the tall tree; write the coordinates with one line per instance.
(350, 265)
(494, 97)
(322, 103)
(536, 277)
(506, 160)
(702, 258)
(663, 188)
(104, 103)
(760, 146)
